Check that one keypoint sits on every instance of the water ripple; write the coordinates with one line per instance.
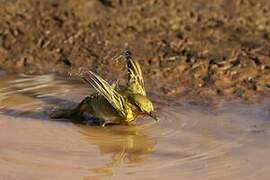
(189, 142)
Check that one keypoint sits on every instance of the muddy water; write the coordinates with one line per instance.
(230, 141)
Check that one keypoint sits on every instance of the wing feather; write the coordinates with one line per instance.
(135, 77)
(107, 91)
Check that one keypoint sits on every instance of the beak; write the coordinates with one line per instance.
(153, 115)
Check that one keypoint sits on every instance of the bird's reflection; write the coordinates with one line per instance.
(127, 145)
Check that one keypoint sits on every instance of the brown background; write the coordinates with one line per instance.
(206, 47)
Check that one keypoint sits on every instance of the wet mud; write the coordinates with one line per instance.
(203, 47)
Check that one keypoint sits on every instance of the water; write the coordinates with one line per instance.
(229, 141)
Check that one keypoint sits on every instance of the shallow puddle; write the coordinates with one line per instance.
(230, 141)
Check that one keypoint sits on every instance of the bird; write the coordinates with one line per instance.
(111, 105)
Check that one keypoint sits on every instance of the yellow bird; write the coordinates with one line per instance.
(111, 105)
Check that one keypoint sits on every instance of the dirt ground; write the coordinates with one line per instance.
(185, 47)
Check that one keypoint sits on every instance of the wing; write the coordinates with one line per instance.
(107, 91)
(135, 77)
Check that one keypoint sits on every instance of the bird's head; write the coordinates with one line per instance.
(144, 105)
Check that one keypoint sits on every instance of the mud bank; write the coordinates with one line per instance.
(203, 47)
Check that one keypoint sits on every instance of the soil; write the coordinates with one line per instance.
(203, 47)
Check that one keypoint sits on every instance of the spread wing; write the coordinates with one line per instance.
(135, 77)
(107, 91)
